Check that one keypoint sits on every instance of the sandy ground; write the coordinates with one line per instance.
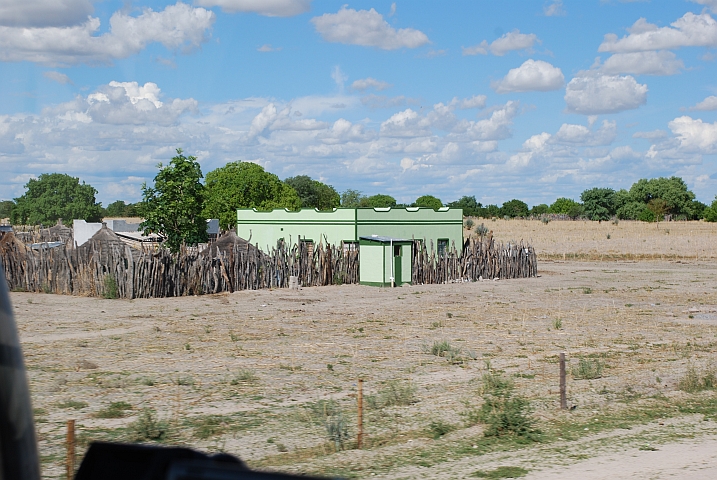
(242, 372)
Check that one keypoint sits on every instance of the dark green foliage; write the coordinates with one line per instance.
(244, 185)
(564, 206)
(471, 207)
(428, 201)
(491, 211)
(380, 200)
(646, 215)
(352, 199)
(541, 209)
(599, 203)
(503, 412)
(119, 208)
(6, 207)
(439, 428)
(576, 211)
(710, 213)
(677, 197)
(173, 207)
(110, 283)
(514, 208)
(56, 195)
(314, 194)
(631, 210)
(501, 472)
(337, 429)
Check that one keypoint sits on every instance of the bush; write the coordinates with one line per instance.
(148, 428)
(114, 410)
(439, 428)
(469, 224)
(587, 369)
(695, 381)
(110, 283)
(337, 430)
(481, 230)
(503, 412)
(395, 393)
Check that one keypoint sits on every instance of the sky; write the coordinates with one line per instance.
(499, 100)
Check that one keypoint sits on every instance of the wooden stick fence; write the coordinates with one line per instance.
(116, 270)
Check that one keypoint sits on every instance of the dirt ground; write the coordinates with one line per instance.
(260, 374)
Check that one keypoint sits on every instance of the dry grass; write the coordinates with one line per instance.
(631, 240)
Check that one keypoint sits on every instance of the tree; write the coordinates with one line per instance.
(631, 211)
(6, 207)
(244, 185)
(352, 199)
(314, 194)
(490, 211)
(173, 207)
(540, 209)
(658, 207)
(599, 203)
(710, 213)
(380, 201)
(678, 198)
(562, 206)
(471, 207)
(120, 209)
(428, 201)
(514, 208)
(53, 196)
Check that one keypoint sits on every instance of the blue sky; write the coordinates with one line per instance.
(512, 99)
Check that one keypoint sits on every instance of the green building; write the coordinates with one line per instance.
(443, 228)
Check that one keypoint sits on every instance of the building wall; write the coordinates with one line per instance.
(348, 224)
(372, 265)
(265, 228)
(83, 231)
(407, 270)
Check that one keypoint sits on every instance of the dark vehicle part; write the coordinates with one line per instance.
(103, 461)
(18, 447)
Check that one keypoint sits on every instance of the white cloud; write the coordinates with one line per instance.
(405, 124)
(532, 75)
(591, 94)
(366, 83)
(366, 28)
(694, 135)
(178, 26)
(268, 48)
(662, 62)
(554, 9)
(58, 77)
(476, 101)
(709, 103)
(653, 135)
(495, 127)
(44, 13)
(510, 41)
(712, 4)
(383, 101)
(581, 135)
(339, 77)
(689, 31)
(269, 8)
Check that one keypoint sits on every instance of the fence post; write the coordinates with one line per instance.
(359, 437)
(563, 387)
(70, 462)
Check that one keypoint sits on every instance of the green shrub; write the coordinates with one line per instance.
(439, 428)
(114, 410)
(504, 413)
(77, 405)
(481, 230)
(469, 224)
(110, 283)
(244, 376)
(395, 393)
(587, 369)
(148, 428)
(695, 381)
(337, 430)
(501, 472)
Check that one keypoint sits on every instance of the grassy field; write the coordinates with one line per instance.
(271, 376)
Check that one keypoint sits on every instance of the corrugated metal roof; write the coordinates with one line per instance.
(384, 239)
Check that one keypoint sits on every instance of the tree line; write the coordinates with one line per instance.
(181, 199)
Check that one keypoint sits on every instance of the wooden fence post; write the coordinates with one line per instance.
(359, 437)
(563, 387)
(70, 462)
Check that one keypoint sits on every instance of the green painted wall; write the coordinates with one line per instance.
(371, 266)
(266, 227)
(406, 274)
(348, 224)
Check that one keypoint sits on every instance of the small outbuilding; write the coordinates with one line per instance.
(385, 261)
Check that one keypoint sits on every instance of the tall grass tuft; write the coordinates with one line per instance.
(587, 369)
(696, 381)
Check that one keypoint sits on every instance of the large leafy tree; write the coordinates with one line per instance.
(428, 201)
(599, 203)
(539, 209)
(380, 200)
(244, 185)
(173, 206)
(6, 207)
(53, 196)
(514, 208)
(471, 207)
(313, 193)
(119, 208)
(710, 213)
(563, 206)
(673, 191)
(352, 199)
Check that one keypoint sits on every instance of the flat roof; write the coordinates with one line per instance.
(384, 239)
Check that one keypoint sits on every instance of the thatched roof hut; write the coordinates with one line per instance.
(226, 243)
(105, 241)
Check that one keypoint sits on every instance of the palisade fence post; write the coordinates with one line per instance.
(70, 461)
(359, 437)
(563, 387)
